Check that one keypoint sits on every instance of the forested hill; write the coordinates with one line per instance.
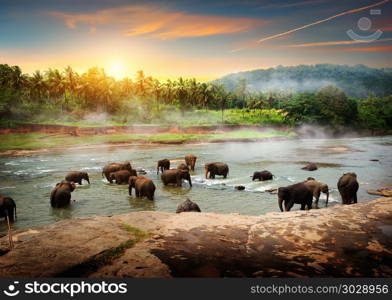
(356, 80)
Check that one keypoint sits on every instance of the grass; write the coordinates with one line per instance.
(36, 140)
(107, 256)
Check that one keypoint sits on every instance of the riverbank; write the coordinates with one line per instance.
(331, 242)
(44, 138)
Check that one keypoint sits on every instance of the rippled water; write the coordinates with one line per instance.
(29, 180)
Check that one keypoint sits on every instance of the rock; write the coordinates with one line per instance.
(272, 191)
(340, 241)
(239, 187)
(381, 192)
(187, 206)
(374, 159)
(310, 167)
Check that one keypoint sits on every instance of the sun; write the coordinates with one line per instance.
(116, 69)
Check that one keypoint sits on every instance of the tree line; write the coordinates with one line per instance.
(57, 93)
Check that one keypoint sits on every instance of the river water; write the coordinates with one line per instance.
(29, 180)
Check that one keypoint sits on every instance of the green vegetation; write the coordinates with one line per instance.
(40, 140)
(248, 98)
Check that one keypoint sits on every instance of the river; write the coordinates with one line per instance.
(29, 180)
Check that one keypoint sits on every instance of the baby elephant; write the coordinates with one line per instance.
(61, 194)
(296, 193)
(143, 186)
(175, 176)
(348, 187)
(310, 167)
(7, 208)
(263, 175)
(183, 167)
(77, 177)
(317, 188)
(186, 206)
(122, 176)
(163, 164)
(190, 161)
(216, 168)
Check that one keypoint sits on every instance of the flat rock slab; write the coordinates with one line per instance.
(340, 241)
(381, 192)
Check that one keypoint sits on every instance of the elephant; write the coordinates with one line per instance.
(122, 176)
(263, 175)
(297, 193)
(61, 194)
(310, 167)
(316, 188)
(187, 206)
(7, 208)
(216, 168)
(348, 187)
(175, 176)
(163, 164)
(190, 161)
(143, 186)
(113, 167)
(183, 167)
(77, 177)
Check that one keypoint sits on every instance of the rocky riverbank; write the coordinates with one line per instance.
(340, 241)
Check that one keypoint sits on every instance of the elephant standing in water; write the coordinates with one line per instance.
(183, 167)
(190, 161)
(7, 208)
(216, 168)
(122, 176)
(348, 187)
(186, 206)
(175, 176)
(61, 194)
(317, 188)
(296, 193)
(163, 164)
(77, 177)
(113, 167)
(263, 175)
(143, 186)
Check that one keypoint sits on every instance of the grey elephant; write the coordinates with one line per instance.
(113, 167)
(122, 176)
(61, 194)
(143, 186)
(190, 161)
(216, 168)
(348, 187)
(7, 208)
(262, 175)
(175, 176)
(317, 188)
(183, 166)
(296, 193)
(163, 164)
(187, 206)
(77, 177)
(310, 167)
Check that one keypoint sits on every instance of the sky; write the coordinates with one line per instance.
(202, 39)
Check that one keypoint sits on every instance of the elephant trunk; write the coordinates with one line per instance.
(326, 202)
(280, 201)
(190, 181)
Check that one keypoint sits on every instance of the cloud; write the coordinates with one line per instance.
(335, 43)
(153, 21)
(288, 5)
(369, 49)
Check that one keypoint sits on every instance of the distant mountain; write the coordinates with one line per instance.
(356, 80)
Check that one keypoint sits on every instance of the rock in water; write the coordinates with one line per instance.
(310, 167)
(188, 205)
(239, 187)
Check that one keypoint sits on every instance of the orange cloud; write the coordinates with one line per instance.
(136, 20)
(368, 49)
(336, 43)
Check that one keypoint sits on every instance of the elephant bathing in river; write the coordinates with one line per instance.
(348, 187)
(143, 186)
(297, 193)
(175, 176)
(190, 161)
(61, 194)
(122, 176)
(216, 168)
(317, 188)
(183, 167)
(113, 167)
(263, 175)
(163, 164)
(77, 177)
(7, 208)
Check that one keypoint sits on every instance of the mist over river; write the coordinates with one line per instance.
(29, 180)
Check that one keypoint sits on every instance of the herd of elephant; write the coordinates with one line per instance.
(122, 173)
